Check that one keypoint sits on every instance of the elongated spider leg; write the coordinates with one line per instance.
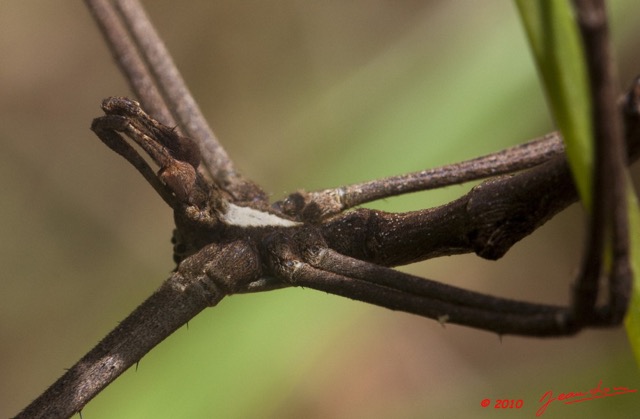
(303, 261)
(314, 206)
(549, 321)
(177, 156)
(331, 261)
(163, 143)
(106, 128)
(445, 303)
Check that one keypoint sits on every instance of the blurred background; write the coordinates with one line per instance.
(304, 95)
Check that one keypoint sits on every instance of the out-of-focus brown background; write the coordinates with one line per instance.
(304, 95)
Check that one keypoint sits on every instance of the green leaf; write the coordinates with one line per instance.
(632, 321)
(554, 38)
(555, 41)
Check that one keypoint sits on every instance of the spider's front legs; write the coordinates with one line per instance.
(107, 128)
(177, 180)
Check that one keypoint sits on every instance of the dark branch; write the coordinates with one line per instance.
(132, 66)
(608, 219)
(178, 300)
(142, 330)
(488, 220)
(173, 88)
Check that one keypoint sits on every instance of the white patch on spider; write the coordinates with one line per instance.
(250, 217)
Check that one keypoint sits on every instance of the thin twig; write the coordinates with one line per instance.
(128, 60)
(487, 220)
(509, 160)
(142, 330)
(144, 60)
(609, 209)
(176, 93)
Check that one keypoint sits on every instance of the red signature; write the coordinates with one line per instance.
(597, 392)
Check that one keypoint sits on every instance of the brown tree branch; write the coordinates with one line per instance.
(126, 56)
(178, 300)
(608, 217)
(488, 220)
(171, 306)
(175, 91)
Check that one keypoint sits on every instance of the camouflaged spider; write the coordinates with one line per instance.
(230, 239)
(309, 239)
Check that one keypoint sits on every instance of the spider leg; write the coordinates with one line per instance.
(143, 57)
(304, 261)
(106, 128)
(332, 261)
(314, 206)
(548, 321)
(177, 156)
(396, 290)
